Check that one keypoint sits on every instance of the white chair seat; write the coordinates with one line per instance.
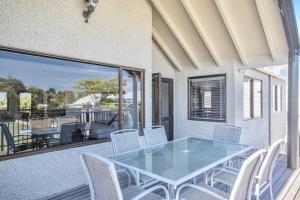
(225, 178)
(132, 191)
(194, 194)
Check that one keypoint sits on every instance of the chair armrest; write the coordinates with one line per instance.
(217, 196)
(119, 171)
(152, 189)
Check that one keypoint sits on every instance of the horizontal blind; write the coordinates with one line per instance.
(252, 98)
(207, 98)
(257, 98)
(246, 98)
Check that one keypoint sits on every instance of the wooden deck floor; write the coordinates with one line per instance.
(280, 177)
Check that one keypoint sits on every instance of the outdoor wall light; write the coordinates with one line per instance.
(90, 5)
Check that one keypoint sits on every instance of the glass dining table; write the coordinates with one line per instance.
(180, 160)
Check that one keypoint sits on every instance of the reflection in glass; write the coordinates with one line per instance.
(46, 102)
(131, 100)
(3, 101)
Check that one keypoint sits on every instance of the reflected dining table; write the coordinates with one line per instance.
(178, 161)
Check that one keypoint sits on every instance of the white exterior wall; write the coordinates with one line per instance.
(160, 64)
(202, 129)
(119, 32)
(279, 119)
(255, 132)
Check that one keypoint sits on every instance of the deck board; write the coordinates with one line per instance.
(280, 176)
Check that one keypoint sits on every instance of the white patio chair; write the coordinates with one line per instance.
(242, 189)
(264, 177)
(104, 184)
(155, 135)
(125, 140)
(227, 133)
(129, 140)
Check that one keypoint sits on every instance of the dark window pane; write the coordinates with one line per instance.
(207, 98)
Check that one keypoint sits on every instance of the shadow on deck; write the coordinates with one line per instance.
(281, 176)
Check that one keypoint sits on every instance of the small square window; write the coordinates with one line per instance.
(207, 98)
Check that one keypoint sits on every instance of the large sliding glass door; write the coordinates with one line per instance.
(46, 102)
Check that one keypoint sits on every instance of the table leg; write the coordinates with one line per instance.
(171, 190)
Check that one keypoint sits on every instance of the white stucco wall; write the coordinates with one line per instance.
(119, 32)
(160, 63)
(255, 132)
(279, 119)
(202, 129)
(42, 175)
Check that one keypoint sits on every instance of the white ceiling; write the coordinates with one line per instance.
(202, 33)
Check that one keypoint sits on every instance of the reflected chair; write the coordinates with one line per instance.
(155, 135)
(11, 146)
(263, 178)
(104, 184)
(242, 188)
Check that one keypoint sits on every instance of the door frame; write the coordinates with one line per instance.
(158, 80)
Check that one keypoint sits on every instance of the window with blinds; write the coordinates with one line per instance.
(252, 98)
(276, 98)
(207, 98)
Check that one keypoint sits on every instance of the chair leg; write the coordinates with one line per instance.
(271, 192)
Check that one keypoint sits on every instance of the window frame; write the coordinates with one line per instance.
(251, 91)
(84, 61)
(189, 98)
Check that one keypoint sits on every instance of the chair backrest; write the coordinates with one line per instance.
(243, 186)
(266, 169)
(125, 140)
(102, 177)
(155, 135)
(9, 138)
(226, 133)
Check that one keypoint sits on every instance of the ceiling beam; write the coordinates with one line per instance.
(263, 13)
(175, 30)
(200, 29)
(233, 35)
(168, 52)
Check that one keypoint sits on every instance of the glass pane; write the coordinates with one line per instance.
(131, 102)
(177, 159)
(47, 102)
(3, 101)
(207, 98)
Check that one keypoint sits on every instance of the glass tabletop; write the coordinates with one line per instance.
(179, 160)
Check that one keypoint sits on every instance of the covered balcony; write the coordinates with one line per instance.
(194, 89)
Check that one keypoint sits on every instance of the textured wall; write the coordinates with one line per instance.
(279, 119)
(203, 129)
(254, 132)
(119, 32)
(160, 64)
(38, 176)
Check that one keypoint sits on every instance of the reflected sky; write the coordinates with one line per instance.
(50, 73)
